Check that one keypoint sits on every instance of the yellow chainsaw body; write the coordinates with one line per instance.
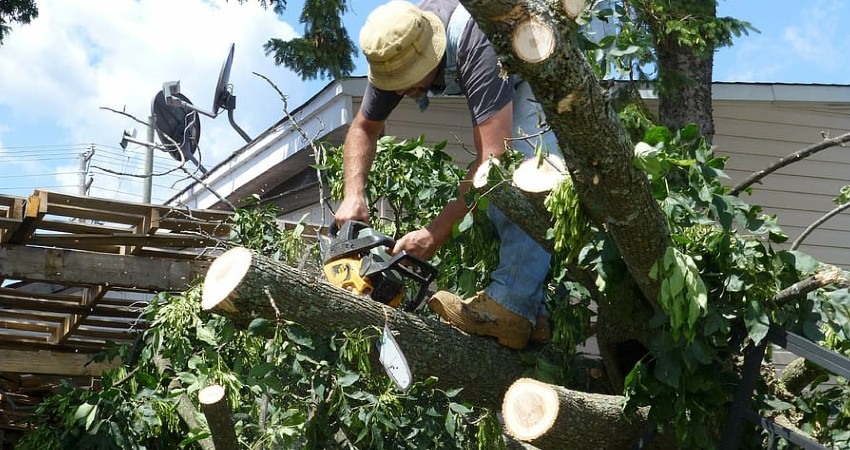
(345, 273)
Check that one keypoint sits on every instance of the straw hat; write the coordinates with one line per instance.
(402, 44)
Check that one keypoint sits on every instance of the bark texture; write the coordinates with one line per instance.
(526, 209)
(598, 152)
(685, 72)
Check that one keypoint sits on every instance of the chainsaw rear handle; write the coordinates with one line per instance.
(350, 242)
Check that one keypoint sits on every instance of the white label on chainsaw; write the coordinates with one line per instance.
(393, 360)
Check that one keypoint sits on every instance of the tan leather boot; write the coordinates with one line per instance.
(481, 315)
(542, 331)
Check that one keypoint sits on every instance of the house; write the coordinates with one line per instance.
(755, 125)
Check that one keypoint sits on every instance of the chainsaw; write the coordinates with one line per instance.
(356, 259)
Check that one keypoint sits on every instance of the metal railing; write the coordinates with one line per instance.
(741, 410)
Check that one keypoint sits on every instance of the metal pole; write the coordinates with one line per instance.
(85, 158)
(146, 191)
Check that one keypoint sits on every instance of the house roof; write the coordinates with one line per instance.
(282, 151)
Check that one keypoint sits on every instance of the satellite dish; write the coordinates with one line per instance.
(178, 127)
(222, 97)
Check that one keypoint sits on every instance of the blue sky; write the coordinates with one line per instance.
(79, 56)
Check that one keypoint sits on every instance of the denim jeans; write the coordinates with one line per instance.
(519, 281)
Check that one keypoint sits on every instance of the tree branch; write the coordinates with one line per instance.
(829, 275)
(835, 211)
(790, 159)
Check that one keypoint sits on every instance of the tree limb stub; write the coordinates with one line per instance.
(243, 285)
(184, 407)
(554, 417)
(573, 8)
(524, 208)
(215, 409)
(533, 41)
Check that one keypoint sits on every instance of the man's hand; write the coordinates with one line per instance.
(419, 243)
(352, 208)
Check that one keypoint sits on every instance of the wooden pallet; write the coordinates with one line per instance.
(54, 219)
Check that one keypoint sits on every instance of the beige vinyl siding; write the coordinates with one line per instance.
(756, 135)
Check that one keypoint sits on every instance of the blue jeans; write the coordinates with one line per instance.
(519, 281)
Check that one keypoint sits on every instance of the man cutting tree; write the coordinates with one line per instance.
(436, 48)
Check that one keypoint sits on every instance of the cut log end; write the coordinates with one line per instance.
(533, 41)
(211, 395)
(223, 276)
(481, 177)
(536, 175)
(529, 409)
(573, 8)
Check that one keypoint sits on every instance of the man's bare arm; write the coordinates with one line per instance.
(358, 155)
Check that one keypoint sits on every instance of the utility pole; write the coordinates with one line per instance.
(148, 184)
(85, 162)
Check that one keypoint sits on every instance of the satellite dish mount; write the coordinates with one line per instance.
(222, 97)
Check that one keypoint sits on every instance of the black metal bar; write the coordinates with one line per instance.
(830, 360)
(783, 432)
(753, 356)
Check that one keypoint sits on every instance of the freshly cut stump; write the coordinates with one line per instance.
(529, 409)
(216, 410)
(540, 175)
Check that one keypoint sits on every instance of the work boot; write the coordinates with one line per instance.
(542, 331)
(481, 315)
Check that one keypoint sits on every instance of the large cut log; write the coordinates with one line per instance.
(243, 285)
(553, 417)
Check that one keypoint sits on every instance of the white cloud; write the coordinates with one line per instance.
(818, 35)
(81, 55)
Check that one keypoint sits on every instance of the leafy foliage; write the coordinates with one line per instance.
(719, 286)
(11, 11)
(644, 24)
(285, 387)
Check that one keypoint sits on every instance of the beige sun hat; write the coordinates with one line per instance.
(402, 44)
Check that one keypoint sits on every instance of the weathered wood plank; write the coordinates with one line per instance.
(71, 267)
(52, 363)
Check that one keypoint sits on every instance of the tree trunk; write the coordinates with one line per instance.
(552, 417)
(243, 285)
(684, 73)
(595, 145)
(214, 406)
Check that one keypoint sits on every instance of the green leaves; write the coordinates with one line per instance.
(683, 294)
(571, 230)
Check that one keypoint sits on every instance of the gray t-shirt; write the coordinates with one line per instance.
(478, 69)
